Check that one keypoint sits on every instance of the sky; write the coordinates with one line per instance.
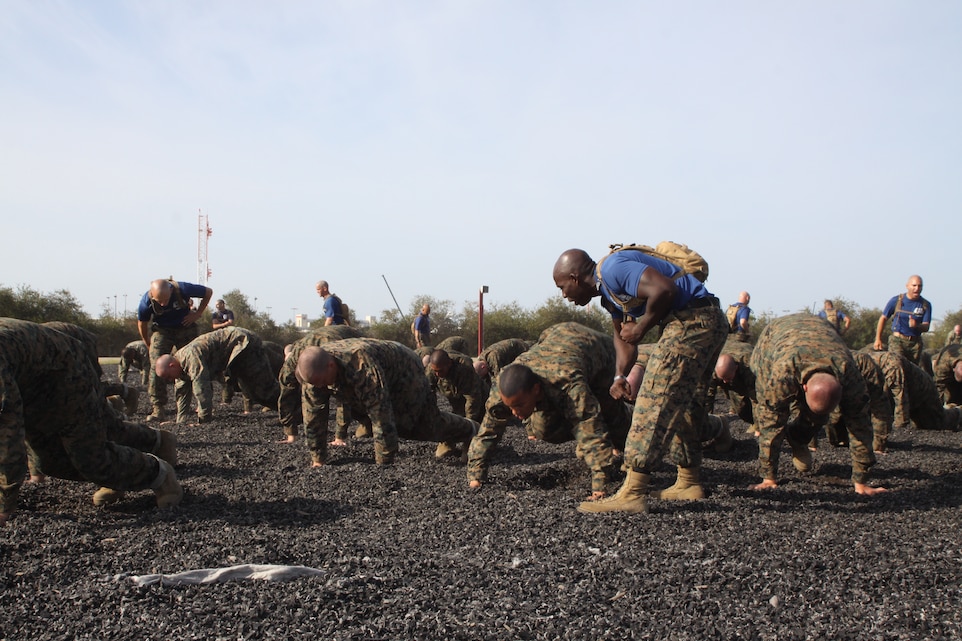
(808, 149)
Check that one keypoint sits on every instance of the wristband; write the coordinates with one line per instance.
(619, 378)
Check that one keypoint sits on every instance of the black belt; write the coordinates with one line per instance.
(707, 301)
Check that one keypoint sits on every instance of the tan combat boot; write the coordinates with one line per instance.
(363, 431)
(687, 487)
(131, 400)
(631, 498)
(446, 449)
(107, 496)
(801, 458)
(169, 493)
(167, 448)
(156, 415)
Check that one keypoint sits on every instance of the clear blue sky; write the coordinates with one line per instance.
(808, 149)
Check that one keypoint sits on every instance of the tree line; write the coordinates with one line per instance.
(500, 321)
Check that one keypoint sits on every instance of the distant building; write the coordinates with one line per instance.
(301, 321)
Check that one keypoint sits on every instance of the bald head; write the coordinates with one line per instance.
(316, 367)
(574, 275)
(822, 393)
(168, 368)
(425, 309)
(744, 298)
(725, 368)
(575, 262)
(913, 287)
(957, 372)
(160, 291)
(481, 368)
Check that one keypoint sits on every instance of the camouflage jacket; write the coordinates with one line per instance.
(503, 353)
(203, 360)
(289, 404)
(576, 365)
(950, 390)
(462, 382)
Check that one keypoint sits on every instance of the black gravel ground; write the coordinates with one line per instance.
(408, 552)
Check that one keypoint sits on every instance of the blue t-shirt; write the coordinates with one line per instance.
(173, 313)
(920, 309)
(621, 273)
(220, 317)
(332, 309)
(743, 313)
(422, 324)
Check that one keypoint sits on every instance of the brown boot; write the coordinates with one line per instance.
(446, 449)
(363, 431)
(131, 400)
(167, 449)
(631, 498)
(107, 496)
(801, 458)
(687, 487)
(169, 493)
(156, 415)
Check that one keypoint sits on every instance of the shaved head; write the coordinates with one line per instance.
(574, 275)
(725, 368)
(822, 393)
(160, 291)
(316, 367)
(168, 368)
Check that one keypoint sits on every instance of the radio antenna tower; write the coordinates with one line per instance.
(203, 236)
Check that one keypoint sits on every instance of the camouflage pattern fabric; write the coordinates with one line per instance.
(740, 392)
(383, 383)
(310, 405)
(462, 387)
(135, 355)
(950, 390)
(163, 340)
(50, 401)
(669, 412)
(788, 352)
(952, 338)
(908, 348)
(576, 366)
(881, 405)
(913, 392)
(233, 351)
(454, 344)
(275, 357)
(499, 355)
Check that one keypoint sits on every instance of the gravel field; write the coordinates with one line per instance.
(408, 552)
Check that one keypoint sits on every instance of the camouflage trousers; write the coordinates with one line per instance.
(428, 424)
(800, 431)
(316, 410)
(163, 340)
(80, 440)
(910, 349)
(251, 372)
(669, 411)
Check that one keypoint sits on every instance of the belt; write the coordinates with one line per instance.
(906, 337)
(707, 301)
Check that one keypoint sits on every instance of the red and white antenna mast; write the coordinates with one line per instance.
(203, 236)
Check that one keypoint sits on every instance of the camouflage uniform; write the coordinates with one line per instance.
(914, 395)
(462, 387)
(232, 350)
(952, 338)
(950, 390)
(881, 406)
(454, 344)
(741, 390)
(384, 385)
(576, 366)
(275, 356)
(788, 352)
(135, 355)
(669, 411)
(89, 341)
(307, 404)
(503, 353)
(52, 403)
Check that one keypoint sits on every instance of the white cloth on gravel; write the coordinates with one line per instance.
(220, 575)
